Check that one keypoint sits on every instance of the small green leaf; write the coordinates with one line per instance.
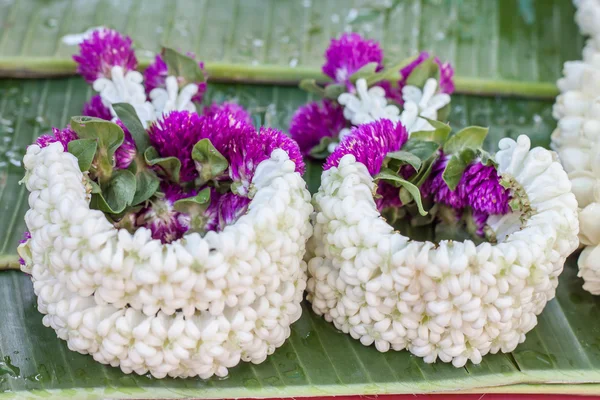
(439, 134)
(406, 157)
(84, 150)
(182, 66)
(391, 177)
(311, 86)
(425, 171)
(486, 158)
(427, 69)
(117, 194)
(146, 185)
(333, 91)
(390, 73)
(424, 150)
(366, 72)
(456, 166)
(169, 166)
(321, 151)
(129, 117)
(194, 205)
(471, 137)
(109, 137)
(209, 162)
(444, 112)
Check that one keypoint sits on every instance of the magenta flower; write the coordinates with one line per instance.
(481, 189)
(26, 237)
(106, 48)
(348, 54)
(480, 220)
(370, 143)
(64, 136)
(388, 196)
(314, 121)
(126, 152)
(165, 223)
(156, 74)
(273, 139)
(234, 110)
(95, 108)
(231, 208)
(435, 187)
(175, 136)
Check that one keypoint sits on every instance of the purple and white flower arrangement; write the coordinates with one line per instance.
(422, 240)
(162, 237)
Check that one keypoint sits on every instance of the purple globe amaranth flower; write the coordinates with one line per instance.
(370, 143)
(127, 151)
(481, 189)
(96, 108)
(64, 136)
(388, 196)
(175, 136)
(103, 50)
(236, 111)
(273, 139)
(231, 208)
(314, 121)
(26, 237)
(435, 187)
(348, 54)
(445, 84)
(165, 223)
(480, 220)
(156, 74)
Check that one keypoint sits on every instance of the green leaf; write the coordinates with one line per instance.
(471, 137)
(320, 151)
(427, 69)
(333, 91)
(169, 166)
(423, 150)
(390, 177)
(194, 205)
(367, 71)
(405, 158)
(390, 73)
(84, 150)
(311, 86)
(117, 194)
(182, 66)
(209, 162)
(129, 117)
(439, 134)
(146, 184)
(456, 166)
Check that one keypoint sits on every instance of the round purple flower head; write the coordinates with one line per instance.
(479, 219)
(231, 208)
(481, 189)
(157, 72)
(348, 54)
(95, 108)
(175, 136)
(236, 111)
(104, 49)
(370, 143)
(126, 152)
(26, 237)
(165, 223)
(435, 187)
(64, 136)
(273, 139)
(388, 196)
(314, 121)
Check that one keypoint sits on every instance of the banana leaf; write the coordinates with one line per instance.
(561, 355)
(496, 46)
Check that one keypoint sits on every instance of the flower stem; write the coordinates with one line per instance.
(44, 67)
(9, 262)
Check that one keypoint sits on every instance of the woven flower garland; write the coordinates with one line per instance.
(576, 139)
(174, 244)
(493, 231)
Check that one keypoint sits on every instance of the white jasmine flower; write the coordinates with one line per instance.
(194, 307)
(367, 105)
(422, 103)
(171, 98)
(455, 301)
(125, 88)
